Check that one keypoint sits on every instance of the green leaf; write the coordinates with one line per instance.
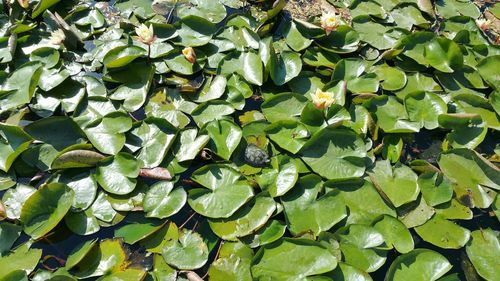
(83, 184)
(450, 8)
(195, 31)
(107, 133)
(187, 252)
(224, 191)
(58, 131)
(289, 135)
(392, 78)
(284, 66)
(137, 228)
(246, 220)
(362, 200)
(43, 5)
(398, 183)
(358, 245)
(23, 258)
(443, 233)
(8, 235)
(335, 153)
(233, 263)
(443, 54)
(283, 106)
(425, 108)
(78, 158)
(48, 56)
(488, 70)
(190, 144)
(212, 110)
(391, 115)
(122, 55)
(14, 198)
(79, 252)
(19, 87)
(270, 232)
(306, 211)
(214, 11)
(288, 259)
(108, 257)
(343, 40)
(162, 200)
(347, 272)
(435, 187)
(418, 265)
(153, 137)
(468, 130)
(13, 142)
(395, 234)
(483, 250)
(45, 208)
(224, 136)
(117, 174)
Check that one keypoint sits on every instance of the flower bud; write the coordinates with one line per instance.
(189, 54)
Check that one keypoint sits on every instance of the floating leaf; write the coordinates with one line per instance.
(288, 258)
(335, 153)
(187, 252)
(45, 208)
(307, 212)
(224, 191)
(419, 264)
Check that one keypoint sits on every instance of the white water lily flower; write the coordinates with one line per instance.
(322, 99)
(330, 21)
(57, 37)
(145, 34)
(189, 54)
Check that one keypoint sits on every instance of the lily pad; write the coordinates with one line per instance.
(224, 191)
(45, 208)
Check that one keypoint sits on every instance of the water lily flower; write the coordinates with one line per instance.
(57, 37)
(483, 24)
(145, 34)
(322, 99)
(330, 21)
(189, 54)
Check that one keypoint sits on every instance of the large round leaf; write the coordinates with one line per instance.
(224, 136)
(359, 243)
(443, 233)
(483, 251)
(187, 252)
(284, 66)
(305, 212)
(335, 153)
(343, 40)
(249, 218)
(289, 135)
(362, 200)
(288, 258)
(117, 174)
(195, 31)
(398, 183)
(224, 191)
(122, 55)
(418, 265)
(395, 233)
(45, 208)
(162, 200)
(14, 142)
